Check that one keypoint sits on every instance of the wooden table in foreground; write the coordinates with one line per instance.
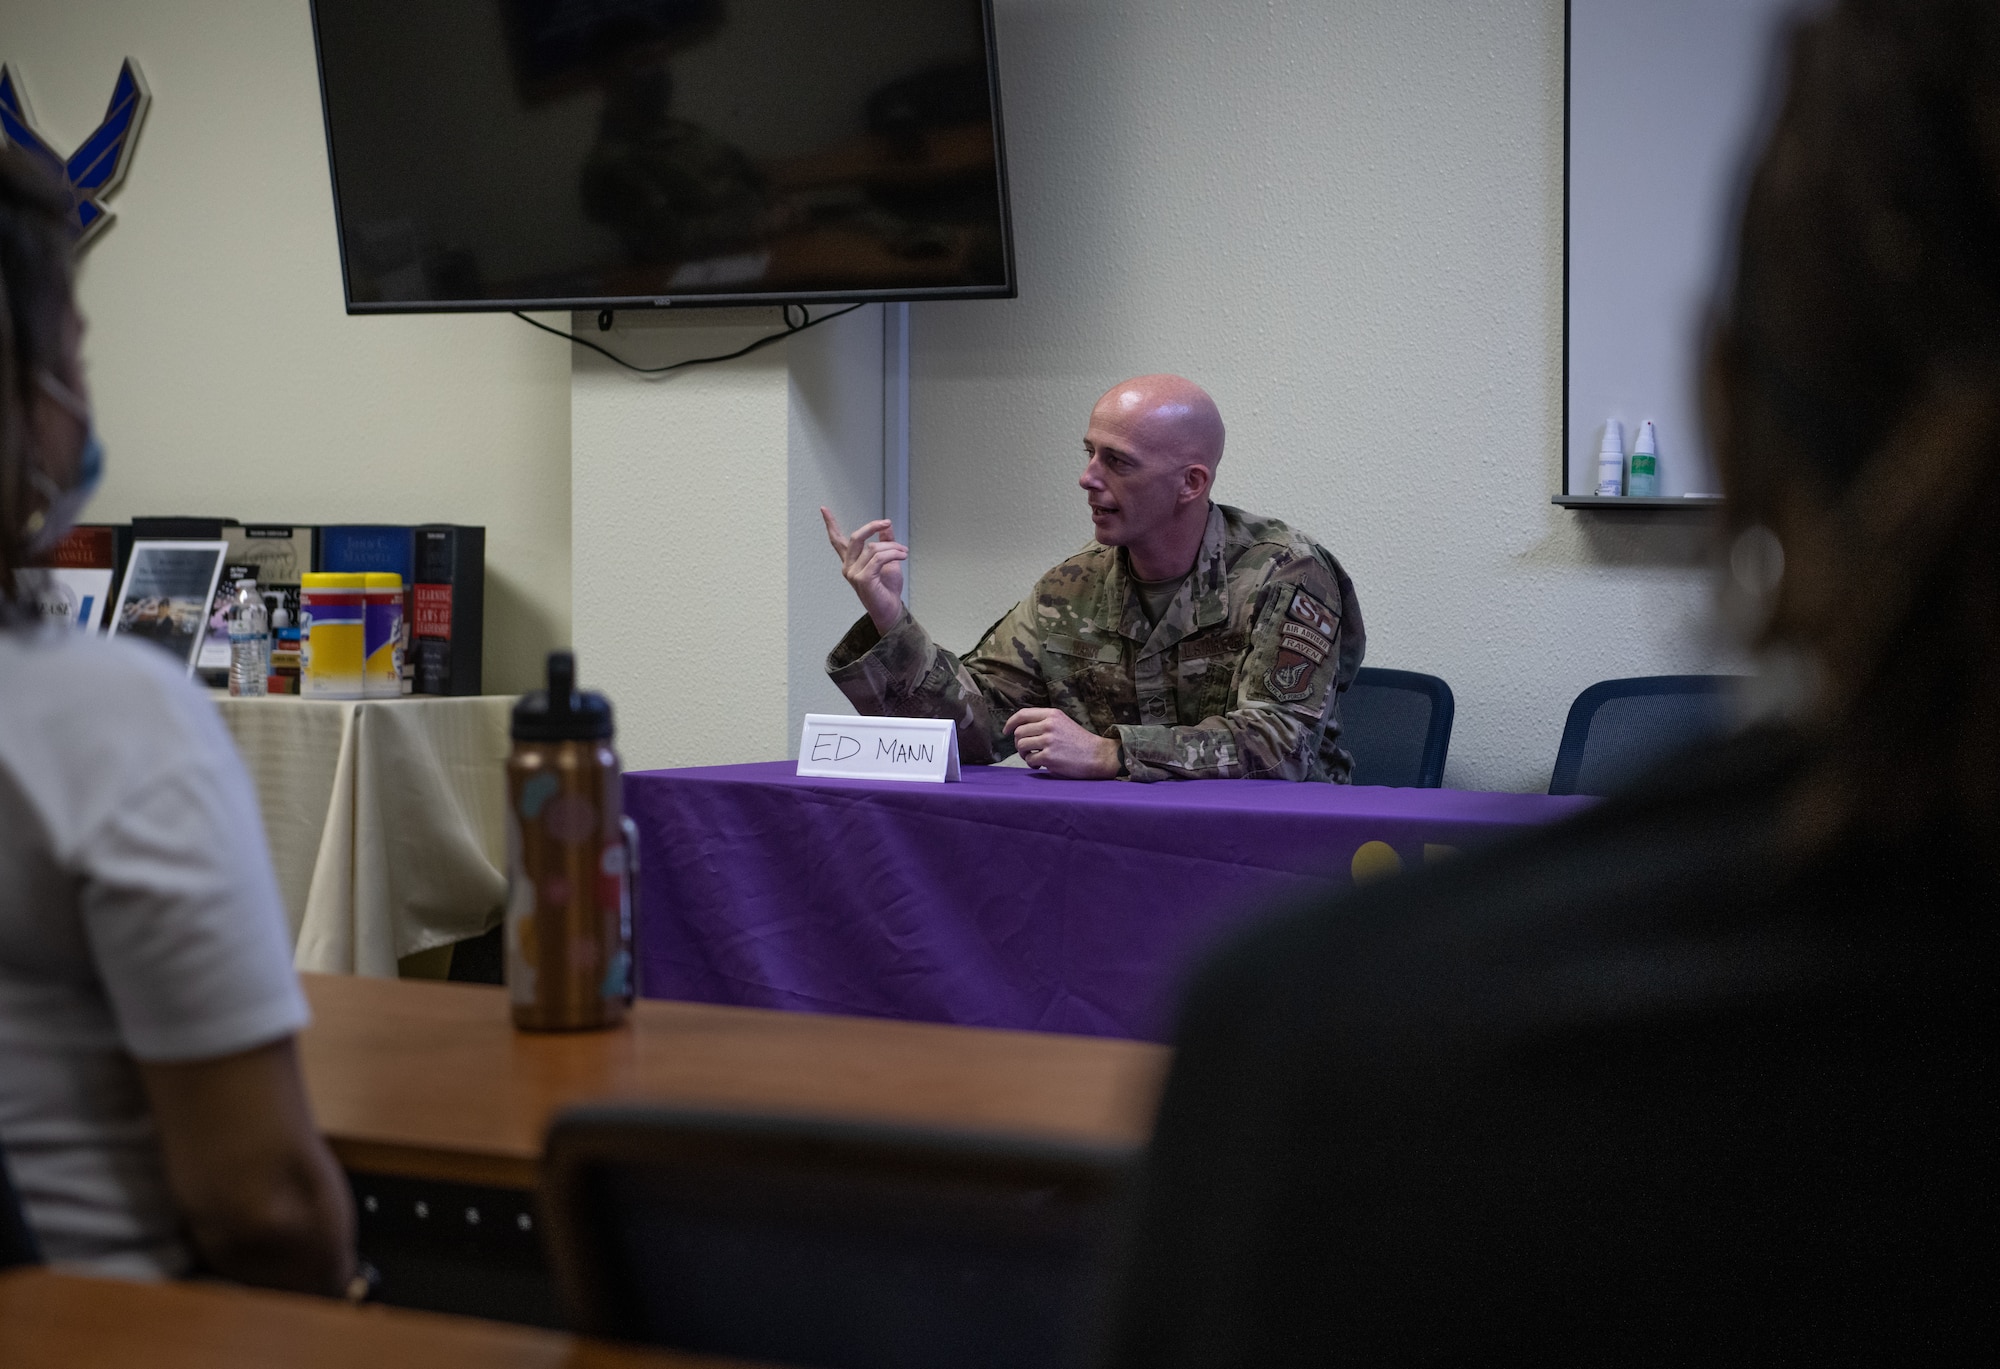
(431, 1081)
(61, 1321)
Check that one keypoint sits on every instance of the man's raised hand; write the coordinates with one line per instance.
(873, 565)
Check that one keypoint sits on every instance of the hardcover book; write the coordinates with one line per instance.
(74, 580)
(358, 548)
(448, 608)
(361, 547)
(88, 546)
(77, 595)
(277, 553)
(180, 529)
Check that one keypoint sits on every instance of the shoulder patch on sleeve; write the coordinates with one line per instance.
(1290, 678)
(1302, 639)
(1314, 614)
(1306, 639)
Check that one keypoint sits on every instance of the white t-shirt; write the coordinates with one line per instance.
(139, 920)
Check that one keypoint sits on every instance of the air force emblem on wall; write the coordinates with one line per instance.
(95, 168)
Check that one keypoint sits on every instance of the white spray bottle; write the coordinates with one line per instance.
(1611, 459)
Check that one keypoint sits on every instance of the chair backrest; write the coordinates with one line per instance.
(828, 1244)
(1397, 726)
(1619, 728)
(17, 1238)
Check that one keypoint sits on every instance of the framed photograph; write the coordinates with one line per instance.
(165, 599)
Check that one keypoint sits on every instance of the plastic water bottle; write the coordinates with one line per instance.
(249, 642)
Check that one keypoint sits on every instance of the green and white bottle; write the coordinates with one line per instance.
(1644, 480)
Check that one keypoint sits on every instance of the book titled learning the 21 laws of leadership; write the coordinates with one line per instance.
(448, 608)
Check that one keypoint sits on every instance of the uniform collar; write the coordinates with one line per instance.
(1202, 602)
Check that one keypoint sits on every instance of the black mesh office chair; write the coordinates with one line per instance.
(1397, 726)
(17, 1238)
(830, 1245)
(1618, 728)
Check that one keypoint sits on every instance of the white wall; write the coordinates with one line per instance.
(1345, 219)
(835, 456)
(706, 591)
(227, 377)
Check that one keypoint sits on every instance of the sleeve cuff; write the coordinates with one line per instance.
(905, 640)
(282, 1014)
(1148, 750)
(879, 673)
(859, 641)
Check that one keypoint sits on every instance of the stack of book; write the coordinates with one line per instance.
(75, 581)
(443, 567)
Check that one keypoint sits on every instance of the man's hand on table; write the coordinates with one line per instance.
(1049, 739)
(873, 567)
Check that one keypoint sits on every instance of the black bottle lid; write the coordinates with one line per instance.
(562, 712)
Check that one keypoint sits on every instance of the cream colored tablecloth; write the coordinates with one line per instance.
(385, 820)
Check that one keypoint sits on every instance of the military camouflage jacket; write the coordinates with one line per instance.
(1241, 677)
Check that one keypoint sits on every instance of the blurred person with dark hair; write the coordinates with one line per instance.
(1705, 1075)
(151, 1107)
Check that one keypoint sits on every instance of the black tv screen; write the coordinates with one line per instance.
(510, 154)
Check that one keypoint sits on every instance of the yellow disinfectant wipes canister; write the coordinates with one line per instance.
(382, 635)
(332, 626)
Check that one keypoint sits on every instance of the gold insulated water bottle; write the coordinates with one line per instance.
(571, 861)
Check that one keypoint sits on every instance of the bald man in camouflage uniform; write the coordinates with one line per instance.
(1190, 641)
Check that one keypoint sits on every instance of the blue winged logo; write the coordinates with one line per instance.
(94, 169)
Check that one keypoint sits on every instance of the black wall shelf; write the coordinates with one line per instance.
(1626, 501)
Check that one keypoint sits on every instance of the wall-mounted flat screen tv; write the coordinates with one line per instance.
(551, 154)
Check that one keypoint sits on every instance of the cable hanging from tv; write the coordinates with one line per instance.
(604, 323)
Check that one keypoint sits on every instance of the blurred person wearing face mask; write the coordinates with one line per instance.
(1706, 1075)
(1190, 640)
(151, 1108)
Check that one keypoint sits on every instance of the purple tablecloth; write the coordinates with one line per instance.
(1009, 900)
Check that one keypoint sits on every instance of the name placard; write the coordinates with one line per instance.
(836, 747)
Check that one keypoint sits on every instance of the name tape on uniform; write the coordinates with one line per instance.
(921, 749)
